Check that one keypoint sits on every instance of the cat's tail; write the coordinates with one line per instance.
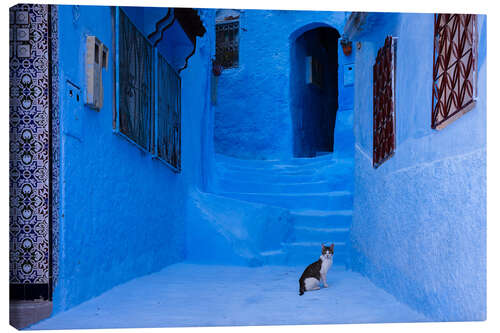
(302, 287)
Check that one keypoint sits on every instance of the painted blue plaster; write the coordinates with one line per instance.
(252, 115)
(226, 231)
(122, 212)
(344, 134)
(419, 223)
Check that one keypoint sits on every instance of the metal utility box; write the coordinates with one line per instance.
(95, 60)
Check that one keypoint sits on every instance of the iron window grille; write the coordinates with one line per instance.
(454, 67)
(384, 83)
(147, 110)
(168, 142)
(136, 88)
(227, 44)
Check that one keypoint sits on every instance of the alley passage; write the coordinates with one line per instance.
(318, 194)
(208, 295)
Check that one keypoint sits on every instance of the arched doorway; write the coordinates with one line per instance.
(314, 91)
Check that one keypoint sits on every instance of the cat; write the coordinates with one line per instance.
(316, 272)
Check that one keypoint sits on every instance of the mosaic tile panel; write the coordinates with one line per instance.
(54, 77)
(29, 145)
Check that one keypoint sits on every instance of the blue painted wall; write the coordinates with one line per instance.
(122, 213)
(344, 133)
(252, 115)
(419, 223)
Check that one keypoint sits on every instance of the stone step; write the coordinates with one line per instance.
(307, 252)
(322, 218)
(321, 153)
(317, 191)
(313, 234)
(303, 253)
(229, 185)
(306, 176)
(335, 200)
(282, 165)
(264, 164)
(284, 168)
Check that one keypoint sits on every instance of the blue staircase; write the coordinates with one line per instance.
(317, 192)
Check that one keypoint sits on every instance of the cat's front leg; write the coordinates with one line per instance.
(323, 278)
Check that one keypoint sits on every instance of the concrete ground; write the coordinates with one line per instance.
(188, 294)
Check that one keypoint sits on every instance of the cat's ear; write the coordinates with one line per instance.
(322, 246)
(331, 246)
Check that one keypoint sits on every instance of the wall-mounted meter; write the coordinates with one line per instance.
(95, 60)
(348, 74)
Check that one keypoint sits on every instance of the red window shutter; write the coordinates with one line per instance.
(454, 69)
(384, 81)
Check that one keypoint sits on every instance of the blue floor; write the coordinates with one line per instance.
(187, 294)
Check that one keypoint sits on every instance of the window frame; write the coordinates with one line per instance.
(176, 168)
(380, 143)
(437, 88)
(153, 128)
(236, 39)
(116, 123)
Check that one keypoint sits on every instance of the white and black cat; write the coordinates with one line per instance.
(316, 272)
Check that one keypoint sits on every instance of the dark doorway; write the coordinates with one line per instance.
(314, 91)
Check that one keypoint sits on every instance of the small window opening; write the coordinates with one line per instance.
(227, 29)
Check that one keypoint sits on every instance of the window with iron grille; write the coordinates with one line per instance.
(136, 88)
(454, 70)
(384, 82)
(227, 43)
(169, 114)
(147, 110)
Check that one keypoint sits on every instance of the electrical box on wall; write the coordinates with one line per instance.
(95, 60)
(348, 74)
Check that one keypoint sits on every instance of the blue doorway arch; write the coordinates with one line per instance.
(314, 88)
